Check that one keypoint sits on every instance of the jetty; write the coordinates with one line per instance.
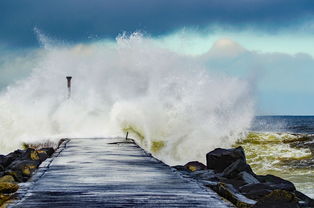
(111, 172)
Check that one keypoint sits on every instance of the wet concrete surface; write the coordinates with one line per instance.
(94, 173)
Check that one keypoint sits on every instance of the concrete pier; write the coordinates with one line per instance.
(102, 172)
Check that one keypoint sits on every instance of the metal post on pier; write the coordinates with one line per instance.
(126, 136)
(69, 86)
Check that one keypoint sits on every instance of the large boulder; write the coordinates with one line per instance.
(235, 168)
(255, 191)
(247, 178)
(29, 154)
(278, 198)
(11, 157)
(22, 170)
(195, 166)
(229, 192)
(219, 159)
(276, 182)
(7, 178)
(6, 188)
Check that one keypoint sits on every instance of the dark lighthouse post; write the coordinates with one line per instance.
(69, 85)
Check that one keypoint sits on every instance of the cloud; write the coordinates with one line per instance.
(281, 79)
(80, 20)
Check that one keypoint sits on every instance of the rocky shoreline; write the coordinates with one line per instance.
(19, 166)
(227, 173)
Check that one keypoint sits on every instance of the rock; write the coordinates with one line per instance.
(42, 155)
(11, 157)
(247, 178)
(229, 192)
(304, 200)
(255, 191)
(6, 187)
(276, 199)
(180, 168)
(235, 168)
(219, 158)
(195, 166)
(4, 198)
(2, 159)
(30, 154)
(49, 151)
(204, 175)
(234, 182)
(7, 178)
(276, 182)
(22, 170)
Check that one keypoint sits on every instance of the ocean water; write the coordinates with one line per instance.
(283, 146)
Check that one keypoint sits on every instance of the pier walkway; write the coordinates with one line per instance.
(102, 173)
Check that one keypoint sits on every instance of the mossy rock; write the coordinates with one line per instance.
(278, 198)
(195, 166)
(42, 155)
(7, 188)
(22, 170)
(7, 178)
(30, 154)
(4, 198)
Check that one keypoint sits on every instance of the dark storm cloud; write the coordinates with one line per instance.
(77, 20)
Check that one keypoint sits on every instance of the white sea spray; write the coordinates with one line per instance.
(172, 104)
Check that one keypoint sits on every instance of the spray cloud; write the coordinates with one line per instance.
(171, 104)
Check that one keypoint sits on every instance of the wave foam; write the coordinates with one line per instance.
(172, 104)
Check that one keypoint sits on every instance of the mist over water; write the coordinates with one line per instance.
(172, 104)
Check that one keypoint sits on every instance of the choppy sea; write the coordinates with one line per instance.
(283, 146)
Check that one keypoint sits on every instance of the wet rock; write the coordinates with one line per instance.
(229, 192)
(195, 166)
(234, 182)
(235, 168)
(276, 199)
(30, 154)
(11, 157)
(219, 159)
(304, 201)
(180, 168)
(22, 170)
(276, 182)
(2, 168)
(49, 151)
(205, 175)
(247, 178)
(255, 191)
(6, 187)
(42, 155)
(4, 198)
(7, 178)
(2, 159)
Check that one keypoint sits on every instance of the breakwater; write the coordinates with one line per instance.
(111, 172)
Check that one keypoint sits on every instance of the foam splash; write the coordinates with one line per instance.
(170, 103)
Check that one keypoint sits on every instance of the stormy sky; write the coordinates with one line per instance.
(277, 35)
(80, 20)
